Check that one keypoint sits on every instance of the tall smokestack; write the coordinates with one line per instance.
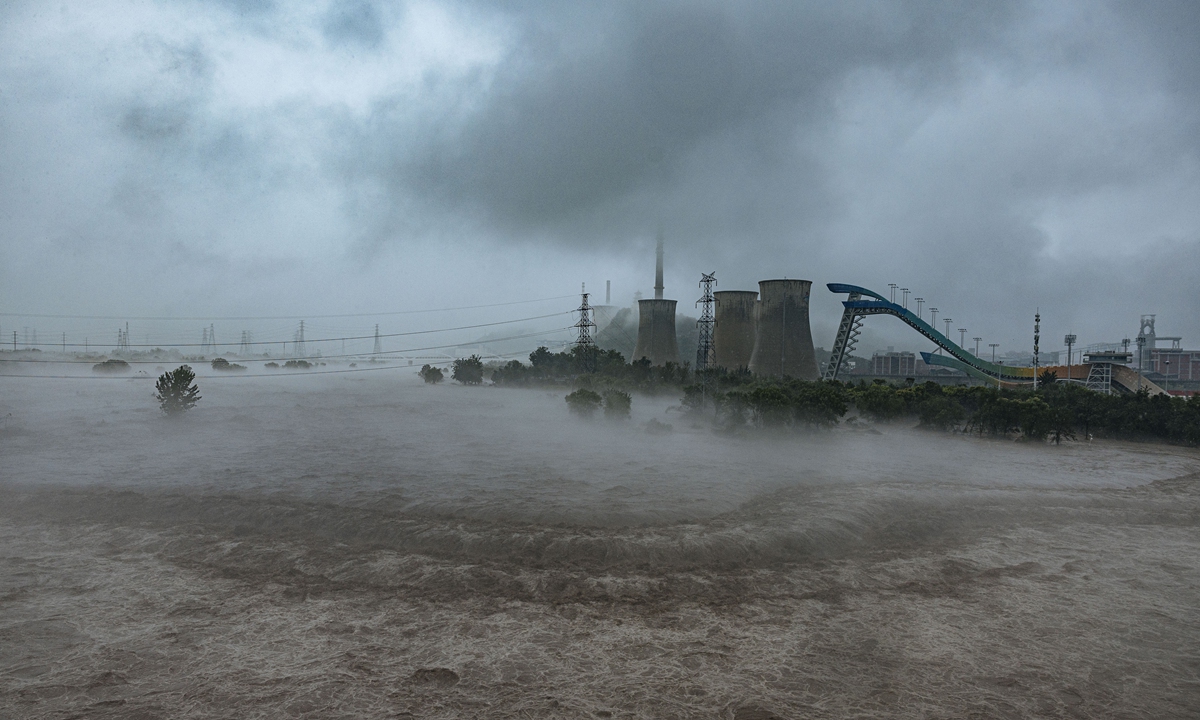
(658, 283)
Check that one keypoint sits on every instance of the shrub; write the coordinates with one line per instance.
(223, 364)
(111, 366)
(272, 365)
(175, 392)
(297, 364)
(430, 374)
(617, 404)
(468, 371)
(583, 403)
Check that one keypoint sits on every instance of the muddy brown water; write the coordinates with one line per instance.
(369, 546)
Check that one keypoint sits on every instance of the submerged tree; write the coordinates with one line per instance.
(430, 374)
(584, 402)
(175, 392)
(468, 371)
(617, 404)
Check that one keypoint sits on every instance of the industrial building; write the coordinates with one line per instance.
(901, 363)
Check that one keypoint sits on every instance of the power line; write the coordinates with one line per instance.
(284, 359)
(230, 376)
(208, 344)
(278, 317)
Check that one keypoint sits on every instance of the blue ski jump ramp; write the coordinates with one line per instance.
(862, 302)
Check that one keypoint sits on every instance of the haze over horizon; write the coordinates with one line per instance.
(233, 158)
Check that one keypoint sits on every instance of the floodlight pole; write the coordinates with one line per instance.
(1141, 343)
(1069, 340)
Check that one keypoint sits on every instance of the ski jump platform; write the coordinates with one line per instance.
(862, 302)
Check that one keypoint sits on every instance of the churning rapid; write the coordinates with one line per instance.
(365, 545)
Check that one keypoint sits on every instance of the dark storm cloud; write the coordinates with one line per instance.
(568, 135)
(985, 154)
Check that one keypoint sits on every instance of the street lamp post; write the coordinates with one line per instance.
(1069, 341)
(962, 337)
(893, 287)
(947, 321)
(906, 291)
(920, 301)
(977, 339)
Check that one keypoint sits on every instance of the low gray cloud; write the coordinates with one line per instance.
(993, 157)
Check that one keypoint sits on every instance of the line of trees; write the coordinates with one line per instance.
(611, 371)
(1056, 411)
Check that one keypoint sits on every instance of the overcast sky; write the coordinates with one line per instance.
(258, 158)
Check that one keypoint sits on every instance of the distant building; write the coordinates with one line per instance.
(903, 364)
(1175, 364)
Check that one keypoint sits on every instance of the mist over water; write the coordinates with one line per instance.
(365, 545)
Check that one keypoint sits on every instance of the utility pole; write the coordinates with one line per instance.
(1069, 341)
(586, 347)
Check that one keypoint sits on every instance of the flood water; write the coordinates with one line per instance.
(365, 545)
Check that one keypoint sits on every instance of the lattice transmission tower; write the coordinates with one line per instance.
(585, 345)
(378, 342)
(298, 344)
(705, 350)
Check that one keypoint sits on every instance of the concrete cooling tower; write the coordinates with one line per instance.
(656, 338)
(783, 345)
(733, 333)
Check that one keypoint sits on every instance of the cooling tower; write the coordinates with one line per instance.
(733, 334)
(656, 332)
(783, 342)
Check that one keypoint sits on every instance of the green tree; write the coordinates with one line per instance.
(175, 392)
(583, 402)
(617, 404)
(468, 371)
(430, 374)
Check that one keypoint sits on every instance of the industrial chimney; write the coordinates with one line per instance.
(656, 339)
(783, 342)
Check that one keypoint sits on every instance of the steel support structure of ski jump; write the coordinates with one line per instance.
(862, 302)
